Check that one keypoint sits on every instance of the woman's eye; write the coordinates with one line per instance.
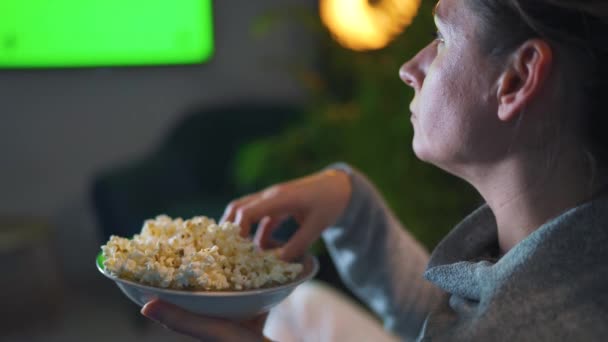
(437, 36)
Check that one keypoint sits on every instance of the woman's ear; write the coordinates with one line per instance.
(523, 78)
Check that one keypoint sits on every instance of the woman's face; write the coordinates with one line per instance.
(454, 111)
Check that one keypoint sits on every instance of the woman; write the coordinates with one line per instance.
(509, 98)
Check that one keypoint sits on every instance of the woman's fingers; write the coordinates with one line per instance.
(303, 238)
(315, 201)
(257, 323)
(263, 236)
(274, 201)
(245, 211)
(202, 328)
(232, 207)
(184, 322)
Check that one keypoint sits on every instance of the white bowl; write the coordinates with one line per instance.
(235, 305)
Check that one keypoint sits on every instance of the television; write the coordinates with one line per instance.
(104, 33)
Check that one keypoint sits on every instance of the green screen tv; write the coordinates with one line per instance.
(104, 33)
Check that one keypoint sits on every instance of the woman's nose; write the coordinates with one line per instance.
(413, 71)
(411, 74)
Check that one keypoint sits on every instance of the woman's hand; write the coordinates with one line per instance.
(204, 328)
(315, 201)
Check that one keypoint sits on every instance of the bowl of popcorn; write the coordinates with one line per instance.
(201, 266)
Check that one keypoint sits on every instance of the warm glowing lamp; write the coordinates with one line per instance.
(367, 24)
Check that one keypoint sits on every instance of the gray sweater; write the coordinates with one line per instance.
(552, 286)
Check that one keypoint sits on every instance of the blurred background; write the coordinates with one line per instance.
(115, 113)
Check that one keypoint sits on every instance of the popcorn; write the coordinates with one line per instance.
(195, 254)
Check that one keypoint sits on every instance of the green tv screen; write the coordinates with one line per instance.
(98, 33)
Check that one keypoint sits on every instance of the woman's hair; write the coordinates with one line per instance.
(577, 29)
